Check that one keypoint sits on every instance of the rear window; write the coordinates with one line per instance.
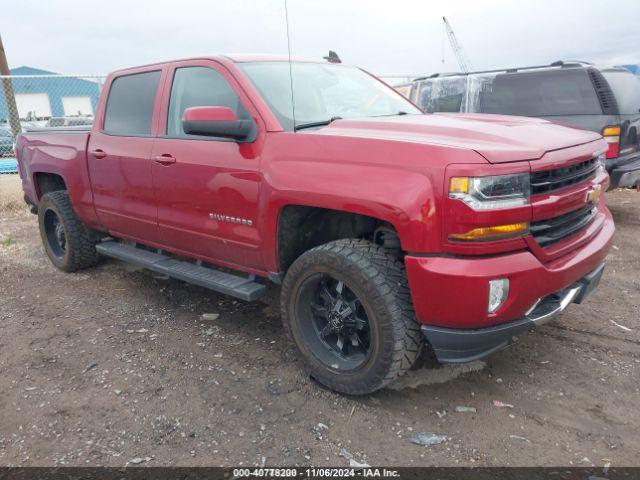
(626, 88)
(130, 104)
(538, 94)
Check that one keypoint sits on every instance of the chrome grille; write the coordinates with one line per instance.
(552, 230)
(550, 180)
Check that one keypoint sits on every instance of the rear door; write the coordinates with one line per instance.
(207, 188)
(119, 156)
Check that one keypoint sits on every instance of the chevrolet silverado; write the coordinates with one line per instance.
(394, 234)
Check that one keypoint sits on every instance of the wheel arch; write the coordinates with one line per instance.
(302, 227)
(46, 182)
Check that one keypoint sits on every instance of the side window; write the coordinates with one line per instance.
(442, 94)
(130, 104)
(199, 87)
(626, 88)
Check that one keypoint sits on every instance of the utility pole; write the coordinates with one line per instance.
(463, 62)
(9, 97)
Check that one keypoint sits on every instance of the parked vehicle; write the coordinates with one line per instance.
(393, 233)
(602, 99)
(6, 142)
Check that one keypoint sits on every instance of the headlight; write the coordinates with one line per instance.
(489, 193)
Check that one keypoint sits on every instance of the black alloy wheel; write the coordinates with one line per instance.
(334, 322)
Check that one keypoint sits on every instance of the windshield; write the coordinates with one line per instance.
(322, 92)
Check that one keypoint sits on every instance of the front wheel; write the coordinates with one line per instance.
(67, 241)
(347, 306)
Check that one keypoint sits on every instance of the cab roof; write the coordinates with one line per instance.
(235, 58)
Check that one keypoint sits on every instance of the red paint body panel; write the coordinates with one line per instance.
(124, 198)
(63, 154)
(395, 169)
(209, 114)
(498, 138)
(453, 292)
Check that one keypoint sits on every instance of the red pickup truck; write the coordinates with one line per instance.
(392, 232)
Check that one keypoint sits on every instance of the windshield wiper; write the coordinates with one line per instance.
(401, 112)
(316, 124)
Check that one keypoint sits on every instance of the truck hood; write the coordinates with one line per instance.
(498, 138)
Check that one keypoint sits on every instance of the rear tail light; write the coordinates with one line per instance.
(612, 136)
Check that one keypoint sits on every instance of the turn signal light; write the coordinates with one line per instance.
(459, 185)
(496, 232)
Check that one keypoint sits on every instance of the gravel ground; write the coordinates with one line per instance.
(116, 365)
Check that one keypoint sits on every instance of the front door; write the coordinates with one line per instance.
(119, 158)
(206, 188)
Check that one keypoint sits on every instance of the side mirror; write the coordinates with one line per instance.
(217, 122)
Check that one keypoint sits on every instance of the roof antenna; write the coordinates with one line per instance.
(293, 105)
(332, 57)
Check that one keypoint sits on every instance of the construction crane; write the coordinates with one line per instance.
(463, 61)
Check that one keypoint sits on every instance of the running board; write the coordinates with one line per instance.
(240, 287)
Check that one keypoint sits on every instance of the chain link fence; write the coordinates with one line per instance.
(32, 101)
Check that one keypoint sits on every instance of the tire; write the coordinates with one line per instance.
(68, 242)
(392, 339)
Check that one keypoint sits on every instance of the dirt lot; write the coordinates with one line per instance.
(115, 364)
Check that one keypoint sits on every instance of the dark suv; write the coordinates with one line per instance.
(602, 99)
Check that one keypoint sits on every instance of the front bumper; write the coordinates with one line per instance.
(450, 294)
(625, 172)
(461, 346)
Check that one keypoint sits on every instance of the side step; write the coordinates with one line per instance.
(240, 287)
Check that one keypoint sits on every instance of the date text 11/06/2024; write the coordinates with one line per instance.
(310, 472)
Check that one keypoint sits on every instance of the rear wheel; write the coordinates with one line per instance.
(348, 309)
(69, 244)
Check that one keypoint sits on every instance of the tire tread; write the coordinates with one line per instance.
(386, 282)
(81, 245)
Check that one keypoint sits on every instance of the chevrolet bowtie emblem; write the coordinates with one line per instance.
(593, 195)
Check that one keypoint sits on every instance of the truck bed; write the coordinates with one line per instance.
(53, 154)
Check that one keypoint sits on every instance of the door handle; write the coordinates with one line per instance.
(165, 159)
(99, 154)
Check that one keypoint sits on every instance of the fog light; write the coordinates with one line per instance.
(498, 293)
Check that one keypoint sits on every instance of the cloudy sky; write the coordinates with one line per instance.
(400, 37)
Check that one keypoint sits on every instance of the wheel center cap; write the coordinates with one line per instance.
(60, 233)
(335, 320)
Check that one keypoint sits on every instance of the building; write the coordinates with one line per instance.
(635, 69)
(41, 94)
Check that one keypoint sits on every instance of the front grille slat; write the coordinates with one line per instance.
(549, 231)
(552, 230)
(550, 180)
